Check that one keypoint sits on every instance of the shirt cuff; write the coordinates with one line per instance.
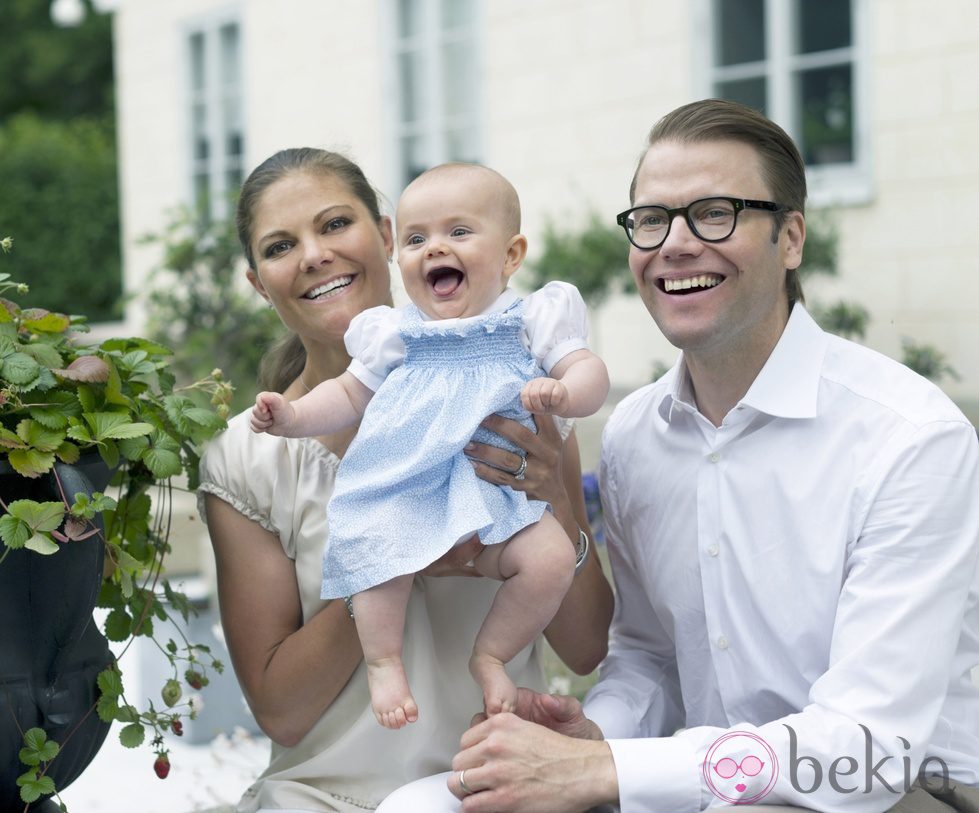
(565, 348)
(359, 371)
(656, 774)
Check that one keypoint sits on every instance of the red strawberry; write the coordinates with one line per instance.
(177, 727)
(194, 679)
(162, 766)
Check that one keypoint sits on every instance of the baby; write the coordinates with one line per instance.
(421, 380)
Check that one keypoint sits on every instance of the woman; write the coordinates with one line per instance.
(318, 251)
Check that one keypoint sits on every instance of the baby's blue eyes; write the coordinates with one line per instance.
(418, 239)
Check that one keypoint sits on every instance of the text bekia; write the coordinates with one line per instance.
(932, 774)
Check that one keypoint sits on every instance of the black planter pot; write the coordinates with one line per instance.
(50, 648)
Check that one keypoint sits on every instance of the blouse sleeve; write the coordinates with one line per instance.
(556, 321)
(374, 344)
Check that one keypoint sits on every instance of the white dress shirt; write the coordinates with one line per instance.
(810, 564)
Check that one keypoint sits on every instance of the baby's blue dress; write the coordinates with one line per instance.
(405, 492)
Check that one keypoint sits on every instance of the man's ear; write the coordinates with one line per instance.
(516, 251)
(792, 236)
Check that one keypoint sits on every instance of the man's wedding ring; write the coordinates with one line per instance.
(462, 783)
(521, 469)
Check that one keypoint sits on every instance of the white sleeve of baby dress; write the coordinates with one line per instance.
(556, 321)
(373, 341)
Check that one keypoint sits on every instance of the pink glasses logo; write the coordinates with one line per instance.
(740, 768)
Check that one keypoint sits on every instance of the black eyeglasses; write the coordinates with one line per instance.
(711, 219)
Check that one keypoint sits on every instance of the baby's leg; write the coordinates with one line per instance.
(537, 566)
(380, 616)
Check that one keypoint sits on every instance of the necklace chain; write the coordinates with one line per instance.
(303, 381)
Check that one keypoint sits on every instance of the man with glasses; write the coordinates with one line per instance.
(793, 526)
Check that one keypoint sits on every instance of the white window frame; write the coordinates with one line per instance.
(830, 184)
(434, 122)
(210, 25)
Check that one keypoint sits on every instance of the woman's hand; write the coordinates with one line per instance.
(542, 478)
(457, 561)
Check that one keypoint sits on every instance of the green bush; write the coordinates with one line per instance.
(200, 304)
(60, 198)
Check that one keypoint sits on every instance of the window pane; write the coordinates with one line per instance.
(457, 13)
(197, 62)
(229, 55)
(739, 31)
(412, 159)
(750, 92)
(461, 144)
(823, 25)
(826, 109)
(458, 77)
(409, 75)
(409, 17)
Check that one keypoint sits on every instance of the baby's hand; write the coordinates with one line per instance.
(272, 413)
(545, 396)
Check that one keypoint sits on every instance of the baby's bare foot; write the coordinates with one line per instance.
(499, 692)
(391, 698)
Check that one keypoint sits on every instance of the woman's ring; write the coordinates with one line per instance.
(521, 470)
(462, 783)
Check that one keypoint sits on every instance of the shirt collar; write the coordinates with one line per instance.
(788, 384)
(500, 304)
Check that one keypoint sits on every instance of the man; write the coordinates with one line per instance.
(793, 526)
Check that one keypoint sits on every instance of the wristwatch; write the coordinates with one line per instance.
(582, 551)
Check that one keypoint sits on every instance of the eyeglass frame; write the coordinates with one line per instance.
(739, 204)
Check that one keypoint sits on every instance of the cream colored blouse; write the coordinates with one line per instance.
(348, 762)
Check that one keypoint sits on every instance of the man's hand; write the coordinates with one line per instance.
(545, 396)
(515, 765)
(272, 413)
(556, 712)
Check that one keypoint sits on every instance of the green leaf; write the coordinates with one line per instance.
(205, 417)
(107, 707)
(19, 369)
(109, 453)
(132, 735)
(10, 440)
(42, 321)
(118, 625)
(34, 738)
(40, 516)
(42, 544)
(68, 452)
(14, 532)
(33, 787)
(30, 462)
(129, 430)
(38, 436)
(162, 462)
(109, 682)
(44, 354)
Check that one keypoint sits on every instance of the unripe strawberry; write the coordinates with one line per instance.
(194, 679)
(171, 693)
(162, 766)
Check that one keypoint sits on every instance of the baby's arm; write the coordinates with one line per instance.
(576, 388)
(329, 407)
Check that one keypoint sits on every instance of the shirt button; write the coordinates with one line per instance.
(722, 642)
(713, 550)
(714, 457)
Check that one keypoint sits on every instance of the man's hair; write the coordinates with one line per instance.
(782, 167)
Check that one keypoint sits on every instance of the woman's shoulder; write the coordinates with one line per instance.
(248, 469)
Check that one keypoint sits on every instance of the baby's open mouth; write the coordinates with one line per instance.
(444, 281)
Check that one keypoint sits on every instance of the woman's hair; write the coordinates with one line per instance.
(284, 361)
(782, 166)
